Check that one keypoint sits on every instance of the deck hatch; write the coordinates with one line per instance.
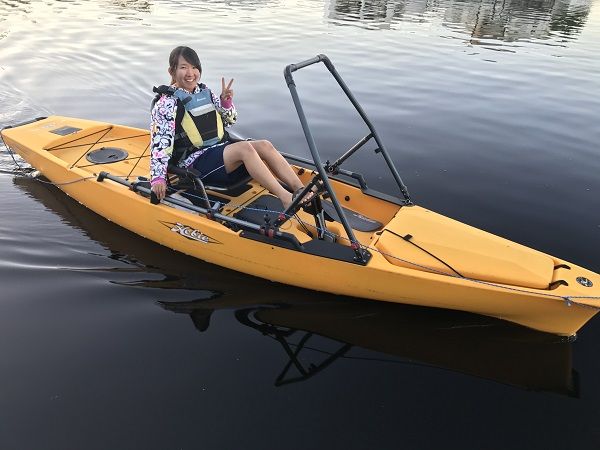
(106, 155)
(64, 131)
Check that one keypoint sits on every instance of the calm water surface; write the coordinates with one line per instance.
(490, 110)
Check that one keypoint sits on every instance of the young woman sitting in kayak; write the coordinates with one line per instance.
(187, 130)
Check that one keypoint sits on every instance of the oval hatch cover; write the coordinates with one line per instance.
(106, 155)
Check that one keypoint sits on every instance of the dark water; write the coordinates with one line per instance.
(490, 110)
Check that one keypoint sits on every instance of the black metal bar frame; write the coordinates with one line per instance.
(325, 60)
(333, 167)
(321, 168)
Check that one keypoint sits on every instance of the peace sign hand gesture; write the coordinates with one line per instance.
(226, 91)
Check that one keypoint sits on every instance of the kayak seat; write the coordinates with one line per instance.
(190, 180)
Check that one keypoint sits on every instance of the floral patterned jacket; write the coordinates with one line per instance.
(162, 132)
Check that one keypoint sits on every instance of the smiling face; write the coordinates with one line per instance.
(185, 74)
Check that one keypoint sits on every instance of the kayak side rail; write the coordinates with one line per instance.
(27, 122)
(298, 159)
(357, 176)
(211, 214)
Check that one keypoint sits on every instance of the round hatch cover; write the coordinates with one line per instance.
(106, 155)
(585, 281)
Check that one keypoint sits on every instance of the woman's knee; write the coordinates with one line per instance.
(239, 153)
(264, 148)
(261, 143)
(244, 150)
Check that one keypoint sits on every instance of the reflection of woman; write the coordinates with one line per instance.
(187, 130)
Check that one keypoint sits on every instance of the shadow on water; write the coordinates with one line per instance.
(491, 19)
(304, 321)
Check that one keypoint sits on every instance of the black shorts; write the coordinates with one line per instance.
(211, 166)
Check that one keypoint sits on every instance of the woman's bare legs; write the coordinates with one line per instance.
(277, 164)
(245, 153)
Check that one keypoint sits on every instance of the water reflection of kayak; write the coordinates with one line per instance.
(468, 343)
(349, 241)
(462, 342)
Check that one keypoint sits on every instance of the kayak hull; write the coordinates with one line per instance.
(527, 287)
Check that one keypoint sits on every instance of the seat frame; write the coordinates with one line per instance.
(191, 179)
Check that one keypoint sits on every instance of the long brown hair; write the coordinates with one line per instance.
(188, 54)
